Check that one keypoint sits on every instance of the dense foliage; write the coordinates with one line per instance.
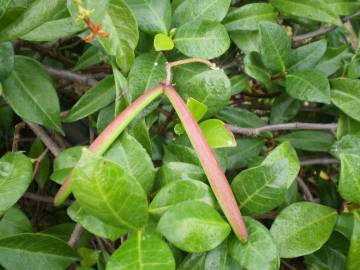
(133, 132)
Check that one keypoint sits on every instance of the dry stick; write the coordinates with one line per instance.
(323, 31)
(75, 235)
(277, 127)
(70, 76)
(44, 199)
(38, 162)
(18, 128)
(305, 189)
(45, 138)
(319, 161)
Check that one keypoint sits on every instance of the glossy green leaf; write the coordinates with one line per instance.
(217, 134)
(345, 224)
(197, 109)
(309, 85)
(98, 97)
(349, 144)
(246, 41)
(239, 83)
(38, 13)
(193, 226)
(180, 153)
(163, 42)
(241, 117)
(15, 178)
(303, 228)
(193, 261)
(142, 252)
(343, 7)
(194, 10)
(219, 259)
(347, 125)
(93, 224)
(255, 68)
(260, 242)
(284, 109)
(353, 260)
(349, 184)
(261, 189)
(346, 96)
(53, 30)
(131, 156)
(179, 191)
(248, 17)
(108, 192)
(13, 222)
(313, 141)
(274, 46)
(35, 252)
(147, 71)
(153, 16)
(6, 60)
(333, 59)
(306, 56)
(204, 39)
(314, 10)
(31, 94)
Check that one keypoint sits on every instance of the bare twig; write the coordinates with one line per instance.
(288, 126)
(71, 76)
(38, 162)
(45, 138)
(305, 189)
(288, 265)
(17, 131)
(75, 235)
(45, 199)
(319, 161)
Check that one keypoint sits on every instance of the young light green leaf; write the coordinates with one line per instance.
(13, 222)
(353, 260)
(153, 16)
(38, 13)
(31, 94)
(6, 60)
(248, 17)
(108, 192)
(349, 184)
(260, 242)
(193, 226)
(274, 46)
(217, 135)
(197, 109)
(303, 228)
(309, 85)
(314, 10)
(147, 71)
(131, 156)
(15, 178)
(204, 39)
(189, 11)
(179, 191)
(142, 252)
(93, 224)
(98, 97)
(35, 252)
(346, 96)
(163, 42)
(261, 189)
(313, 141)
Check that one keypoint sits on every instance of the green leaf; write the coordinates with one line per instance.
(307, 56)
(118, 21)
(38, 13)
(98, 97)
(347, 125)
(313, 141)
(93, 224)
(163, 43)
(15, 178)
(217, 135)
(343, 7)
(346, 96)
(179, 191)
(132, 157)
(220, 259)
(53, 30)
(108, 192)
(147, 71)
(193, 226)
(193, 261)
(241, 117)
(92, 56)
(255, 68)
(180, 153)
(353, 260)
(284, 109)
(13, 222)
(261, 189)
(204, 39)
(274, 46)
(349, 184)
(239, 83)
(303, 228)
(4, 4)
(345, 224)
(31, 94)
(142, 252)
(349, 144)
(6, 60)
(333, 59)
(189, 11)
(260, 242)
(248, 17)
(35, 252)
(314, 10)
(43, 172)
(246, 41)
(197, 109)
(153, 16)
(309, 85)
